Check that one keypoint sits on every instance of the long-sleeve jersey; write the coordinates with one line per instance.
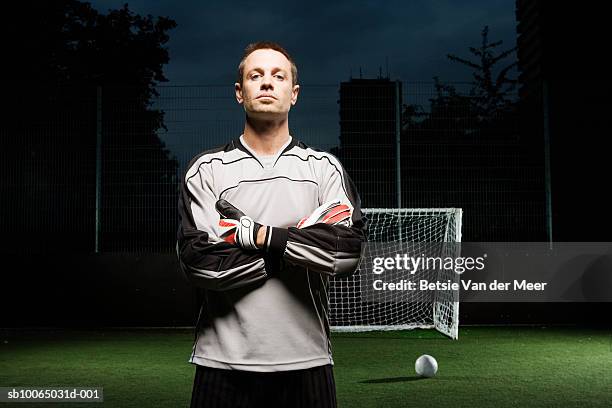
(266, 310)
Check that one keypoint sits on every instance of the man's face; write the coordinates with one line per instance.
(267, 91)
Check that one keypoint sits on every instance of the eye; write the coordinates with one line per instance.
(279, 76)
(255, 76)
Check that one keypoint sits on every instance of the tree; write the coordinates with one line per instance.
(489, 96)
(466, 152)
(60, 53)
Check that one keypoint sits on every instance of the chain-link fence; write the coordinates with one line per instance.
(98, 169)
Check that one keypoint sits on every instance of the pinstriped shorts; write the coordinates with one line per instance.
(309, 388)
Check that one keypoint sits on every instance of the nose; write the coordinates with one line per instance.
(266, 82)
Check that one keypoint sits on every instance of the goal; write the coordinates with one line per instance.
(357, 305)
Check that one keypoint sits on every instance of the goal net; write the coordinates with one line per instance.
(358, 302)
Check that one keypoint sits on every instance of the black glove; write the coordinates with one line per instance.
(238, 227)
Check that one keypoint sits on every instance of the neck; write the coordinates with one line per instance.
(266, 137)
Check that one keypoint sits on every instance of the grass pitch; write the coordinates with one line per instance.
(487, 367)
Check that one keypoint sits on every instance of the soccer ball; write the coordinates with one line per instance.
(426, 366)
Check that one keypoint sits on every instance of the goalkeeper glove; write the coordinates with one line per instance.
(237, 228)
(332, 212)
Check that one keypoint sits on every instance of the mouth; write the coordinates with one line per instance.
(265, 96)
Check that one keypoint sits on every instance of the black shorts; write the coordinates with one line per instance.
(218, 388)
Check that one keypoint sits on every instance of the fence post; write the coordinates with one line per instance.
(398, 119)
(547, 174)
(98, 164)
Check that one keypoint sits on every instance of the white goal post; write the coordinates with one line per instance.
(355, 304)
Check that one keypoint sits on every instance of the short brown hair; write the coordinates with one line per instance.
(266, 45)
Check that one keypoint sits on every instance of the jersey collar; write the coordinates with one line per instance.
(241, 145)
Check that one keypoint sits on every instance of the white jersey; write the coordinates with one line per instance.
(266, 310)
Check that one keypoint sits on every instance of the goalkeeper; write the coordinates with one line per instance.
(264, 222)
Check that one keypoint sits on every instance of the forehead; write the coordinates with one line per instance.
(266, 58)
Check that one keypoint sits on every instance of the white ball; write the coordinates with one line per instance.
(426, 366)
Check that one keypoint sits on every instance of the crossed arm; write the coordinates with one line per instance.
(211, 262)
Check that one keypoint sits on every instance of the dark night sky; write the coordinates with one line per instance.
(328, 39)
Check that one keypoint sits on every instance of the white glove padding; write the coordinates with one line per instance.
(246, 233)
(242, 232)
(237, 228)
(332, 212)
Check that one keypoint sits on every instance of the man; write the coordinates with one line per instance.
(264, 222)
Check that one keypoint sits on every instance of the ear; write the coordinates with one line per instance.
(294, 94)
(238, 91)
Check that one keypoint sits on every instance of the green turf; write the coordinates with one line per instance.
(486, 367)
